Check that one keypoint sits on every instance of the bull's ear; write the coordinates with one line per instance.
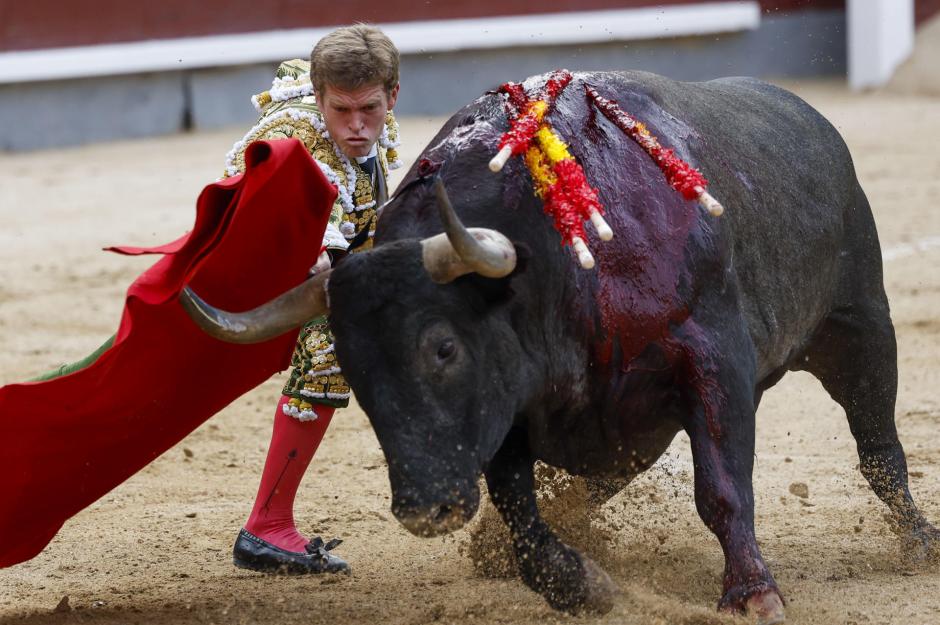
(496, 291)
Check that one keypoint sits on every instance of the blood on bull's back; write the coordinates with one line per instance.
(780, 167)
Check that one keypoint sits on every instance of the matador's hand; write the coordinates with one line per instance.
(323, 263)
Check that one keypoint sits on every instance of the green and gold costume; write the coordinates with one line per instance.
(289, 111)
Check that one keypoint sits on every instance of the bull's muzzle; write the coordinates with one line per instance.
(435, 519)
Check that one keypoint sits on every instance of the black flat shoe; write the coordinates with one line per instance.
(253, 553)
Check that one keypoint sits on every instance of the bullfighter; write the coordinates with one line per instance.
(340, 106)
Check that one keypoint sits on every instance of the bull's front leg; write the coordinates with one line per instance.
(567, 579)
(718, 371)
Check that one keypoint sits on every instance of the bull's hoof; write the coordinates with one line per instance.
(601, 590)
(762, 605)
(588, 590)
(921, 545)
(765, 608)
(569, 581)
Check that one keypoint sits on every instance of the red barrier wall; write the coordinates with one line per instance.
(35, 24)
(925, 9)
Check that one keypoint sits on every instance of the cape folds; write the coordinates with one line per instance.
(255, 236)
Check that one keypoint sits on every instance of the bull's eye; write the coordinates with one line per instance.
(446, 349)
(440, 349)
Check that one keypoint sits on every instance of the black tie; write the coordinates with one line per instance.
(369, 166)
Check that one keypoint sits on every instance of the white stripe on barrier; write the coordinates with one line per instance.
(903, 250)
(418, 37)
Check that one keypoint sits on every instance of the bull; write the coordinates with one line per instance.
(487, 347)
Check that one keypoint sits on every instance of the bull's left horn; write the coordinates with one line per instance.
(480, 250)
(287, 311)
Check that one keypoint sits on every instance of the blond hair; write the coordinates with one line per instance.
(353, 56)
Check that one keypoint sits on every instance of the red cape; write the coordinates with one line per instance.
(255, 236)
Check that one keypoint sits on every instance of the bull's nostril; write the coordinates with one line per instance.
(442, 513)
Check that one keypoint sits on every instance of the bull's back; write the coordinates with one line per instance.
(787, 181)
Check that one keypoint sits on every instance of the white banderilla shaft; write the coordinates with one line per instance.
(709, 203)
(500, 159)
(603, 230)
(584, 254)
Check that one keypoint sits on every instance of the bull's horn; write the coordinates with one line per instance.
(460, 250)
(285, 312)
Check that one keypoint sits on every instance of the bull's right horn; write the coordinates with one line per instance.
(285, 312)
(460, 250)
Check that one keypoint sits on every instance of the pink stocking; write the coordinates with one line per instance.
(293, 444)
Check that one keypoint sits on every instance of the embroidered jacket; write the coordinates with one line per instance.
(289, 110)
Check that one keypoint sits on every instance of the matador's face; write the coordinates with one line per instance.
(355, 118)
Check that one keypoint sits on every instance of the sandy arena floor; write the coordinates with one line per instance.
(158, 548)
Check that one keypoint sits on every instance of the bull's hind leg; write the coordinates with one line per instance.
(854, 355)
(567, 579)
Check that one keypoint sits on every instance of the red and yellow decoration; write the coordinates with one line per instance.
(562, 185)
(560, 181)
(681, 176)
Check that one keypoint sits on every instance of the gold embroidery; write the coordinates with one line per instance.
(289, 111)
